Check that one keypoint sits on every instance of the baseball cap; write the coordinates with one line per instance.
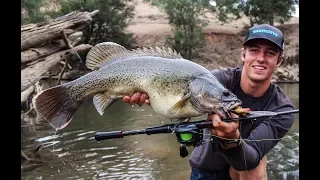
(266, 31)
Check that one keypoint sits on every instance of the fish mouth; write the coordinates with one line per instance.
(228, 107)
(221, 113)
(224, 111)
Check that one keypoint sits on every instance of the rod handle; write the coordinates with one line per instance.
(108, 135)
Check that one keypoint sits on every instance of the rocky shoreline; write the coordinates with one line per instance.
(288, 74)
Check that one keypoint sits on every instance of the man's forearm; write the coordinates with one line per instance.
(242, 157)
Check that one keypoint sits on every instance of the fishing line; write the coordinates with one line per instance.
(245, 162)
(54, 157)
(250, 140)
(54, 137)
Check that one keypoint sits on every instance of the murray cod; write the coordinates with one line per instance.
(178, 89)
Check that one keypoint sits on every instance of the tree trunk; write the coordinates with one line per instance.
(37, 34)
(33, 54)
(271, 19)
(25, 94)
(31, 74)
(47, 45)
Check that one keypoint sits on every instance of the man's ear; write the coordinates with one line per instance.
(280, 60)
(243, 54)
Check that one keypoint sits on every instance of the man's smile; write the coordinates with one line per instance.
(259, 67)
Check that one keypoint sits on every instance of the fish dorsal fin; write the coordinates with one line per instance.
(107, 51)
(104, 52)
(156, 51)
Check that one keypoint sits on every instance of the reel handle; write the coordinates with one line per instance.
(108, 135)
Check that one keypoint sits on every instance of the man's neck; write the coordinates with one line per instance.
(253, 88)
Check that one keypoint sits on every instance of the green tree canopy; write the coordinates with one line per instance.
(184, 17)
(109, 24)
(259, 11)
(32, 11)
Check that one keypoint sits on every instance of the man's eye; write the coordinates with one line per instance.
(272, 53)
(253, 50)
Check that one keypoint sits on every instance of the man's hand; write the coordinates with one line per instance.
(225, 130)
(137, 98)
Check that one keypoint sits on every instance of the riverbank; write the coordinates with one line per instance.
(150, 28)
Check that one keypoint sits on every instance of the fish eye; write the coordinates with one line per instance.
(226, 92)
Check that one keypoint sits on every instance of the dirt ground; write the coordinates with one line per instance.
(150, 27)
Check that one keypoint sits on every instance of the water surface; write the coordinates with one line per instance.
(73, 153)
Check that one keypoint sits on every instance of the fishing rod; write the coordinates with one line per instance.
(188, 133)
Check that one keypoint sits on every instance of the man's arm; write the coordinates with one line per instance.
(261, 140)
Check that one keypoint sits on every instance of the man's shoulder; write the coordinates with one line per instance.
(280, 96)
(226, 72)
(228, 76)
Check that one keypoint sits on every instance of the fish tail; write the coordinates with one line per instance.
(56, 105)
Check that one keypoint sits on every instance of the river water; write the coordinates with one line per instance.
(73, 153)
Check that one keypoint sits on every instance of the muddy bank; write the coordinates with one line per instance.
(150, 28)
(222, 49)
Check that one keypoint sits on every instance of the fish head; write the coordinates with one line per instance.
(209, 95)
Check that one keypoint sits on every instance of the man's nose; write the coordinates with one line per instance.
(261, 56)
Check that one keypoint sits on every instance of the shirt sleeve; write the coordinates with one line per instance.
(224, 75)
(261, 139)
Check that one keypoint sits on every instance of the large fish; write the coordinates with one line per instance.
(177, 88)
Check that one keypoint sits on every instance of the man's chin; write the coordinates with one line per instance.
(258, 78)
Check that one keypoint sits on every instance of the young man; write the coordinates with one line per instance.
(237, 150)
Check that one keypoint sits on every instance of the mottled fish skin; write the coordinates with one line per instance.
(177, 88)
(164, 80)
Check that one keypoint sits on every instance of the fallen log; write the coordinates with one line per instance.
(31, 74)
(26, 93)
(24, 157)
(36, 53)
(40, 33)
(33, 54)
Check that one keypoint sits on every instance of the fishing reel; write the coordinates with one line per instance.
(187, 135)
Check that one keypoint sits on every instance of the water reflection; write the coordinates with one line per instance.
(73, 153)
(283, 160)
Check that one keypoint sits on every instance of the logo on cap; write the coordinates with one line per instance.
(264, 31)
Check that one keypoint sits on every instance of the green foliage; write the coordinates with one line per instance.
(108, 25)
(32, 9)
(259, 11)
(262, 11)
(184, 17)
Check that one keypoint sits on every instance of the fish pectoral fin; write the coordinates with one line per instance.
(103, 101)
(179, 105)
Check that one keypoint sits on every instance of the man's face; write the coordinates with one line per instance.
(261, 58)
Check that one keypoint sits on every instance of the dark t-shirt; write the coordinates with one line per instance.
(210, 157)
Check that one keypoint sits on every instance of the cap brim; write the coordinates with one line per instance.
(262, 38)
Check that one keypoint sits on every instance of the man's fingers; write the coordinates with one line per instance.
(233, 116)
(213, 131)
(222, 128)
(142, 99)
(216, 120)
(126, 99)
(228, 127)
(148, 102)
(135, 98)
